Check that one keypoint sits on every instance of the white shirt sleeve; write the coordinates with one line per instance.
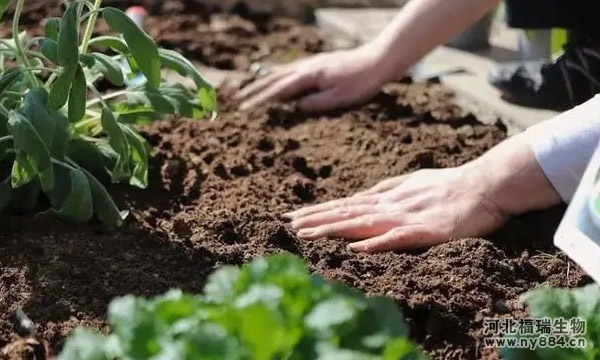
(565, 144)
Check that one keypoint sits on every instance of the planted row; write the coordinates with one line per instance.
(61, 137)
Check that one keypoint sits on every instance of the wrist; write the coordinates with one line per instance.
(383, 65)
(512, 179)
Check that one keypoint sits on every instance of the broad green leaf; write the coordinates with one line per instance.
(35, 109)
(30, 144)
(112, 42)
(84, 344)
(118, 141)
(3, 6)
(49, 49)
(206, 93)
(77, 96)
(139, 157)
(59, 93)
(95, 155)
(60, 142)
(104, 207)
(68, 37)
(330, 313)
(168, 99)
(72, 202)
(220, 287)
(109, 67)
(142, 47)
(60, 193)
(52, 28)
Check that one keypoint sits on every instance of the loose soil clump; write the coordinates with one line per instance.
(216, 192)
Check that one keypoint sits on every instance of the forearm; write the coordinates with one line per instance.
(421, 26)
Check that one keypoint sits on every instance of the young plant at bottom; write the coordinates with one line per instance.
(61, 137)
(571, 325)
(270, 309)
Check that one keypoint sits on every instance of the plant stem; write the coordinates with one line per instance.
(87, 36)
(107, 97)
(18, 45)
(6, 138)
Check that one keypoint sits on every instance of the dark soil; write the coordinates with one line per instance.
(217, 190)
(230, 41)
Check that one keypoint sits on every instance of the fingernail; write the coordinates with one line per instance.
(357, 248)
(306, 232)
(288, 216)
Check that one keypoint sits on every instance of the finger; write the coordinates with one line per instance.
(283, 88)
(399, 238)
(322, 101)
(259, 85)
(384, 186)
(335, 215)
(362, 227)
(329, 206)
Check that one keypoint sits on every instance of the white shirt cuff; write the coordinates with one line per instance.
(564, 145)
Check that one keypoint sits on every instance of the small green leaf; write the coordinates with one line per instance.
(142, 47)
(49, 49)
(402, 349)
(30, 144)
(112, 42)
(104, 206)
(109, 67)
(22, 171)
(59, 93)
(139, 157)
(68, 36)
(52, 28)
(77, 96)
(118, 141)
(134, 113)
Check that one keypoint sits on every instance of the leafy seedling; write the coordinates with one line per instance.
(59, 136)
(272, 308)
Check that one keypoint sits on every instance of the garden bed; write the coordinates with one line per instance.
(216, 192)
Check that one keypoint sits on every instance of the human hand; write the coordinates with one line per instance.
(336, 79)
(421, 209)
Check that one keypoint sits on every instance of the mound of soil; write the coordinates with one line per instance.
(217, 190)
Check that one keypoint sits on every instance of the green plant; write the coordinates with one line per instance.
(270, 309)
(551, 303)
(59, 136)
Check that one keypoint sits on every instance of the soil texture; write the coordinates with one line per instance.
(217, 189)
